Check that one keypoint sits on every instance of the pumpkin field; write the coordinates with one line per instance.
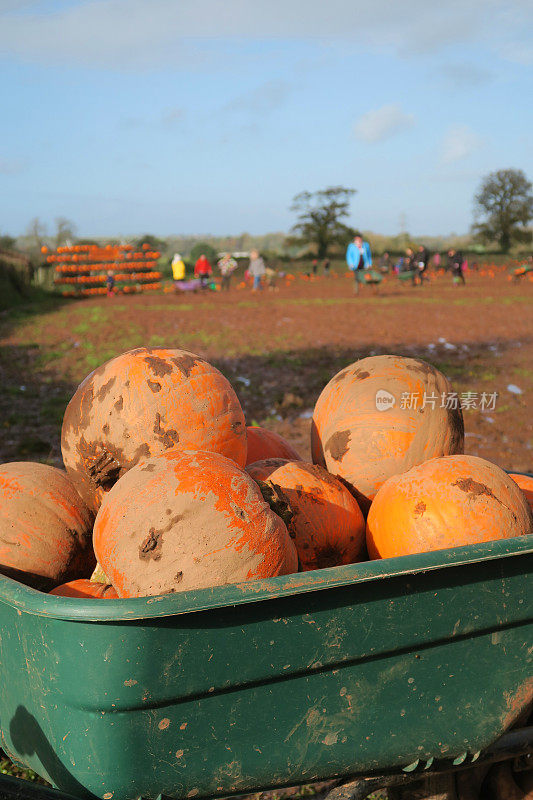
(279, 349)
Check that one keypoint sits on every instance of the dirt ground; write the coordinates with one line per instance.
(280, 348)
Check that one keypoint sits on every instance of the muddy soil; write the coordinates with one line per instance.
(280, 348)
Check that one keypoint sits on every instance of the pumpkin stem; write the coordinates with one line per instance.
(278, 501)
(104, 469)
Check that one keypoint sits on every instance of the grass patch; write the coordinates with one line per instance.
(178, 307)
(157, 341)
(19, 391)
(48, 356)
(451, 369)
(83, 327)
(523, 372)
(24, 773)
(94, 356)
(53, 408)
(33, 444)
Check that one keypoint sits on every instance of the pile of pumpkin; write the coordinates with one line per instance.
(167, 490)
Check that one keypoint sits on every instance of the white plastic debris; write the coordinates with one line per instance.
(449, 346)
(243, 380)
(514, 389)
(306, 414)
(441, 339)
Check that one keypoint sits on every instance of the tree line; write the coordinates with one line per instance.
(503, 211)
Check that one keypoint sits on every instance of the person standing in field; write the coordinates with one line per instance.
(422, 259)
(178, 269)
(227, 266)
(455, 264)
(359, 259)
(110, 283)
(203, 270)
(314, 265)
(326, 264)
(256, 269)
(410, 264)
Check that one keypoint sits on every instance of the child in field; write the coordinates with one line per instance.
(455, 263)
(271, 276)
(256, 269)
(110, 283)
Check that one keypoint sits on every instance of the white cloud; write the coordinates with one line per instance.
(517, 52)
(136, 34)
(382, 123)
(459, 142)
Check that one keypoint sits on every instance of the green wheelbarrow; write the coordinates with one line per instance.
(521, 271)
(408, 275)
(389, 668)
(368, 277)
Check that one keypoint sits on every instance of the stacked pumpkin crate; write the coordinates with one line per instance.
(83, 269)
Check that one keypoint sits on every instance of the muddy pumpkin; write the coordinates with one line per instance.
(381, 416)
(326, 523)
(526, 484)
(445, 502)
(85, 588)
(45, 527)
(141, 404)
(188, 520)
(263, 444)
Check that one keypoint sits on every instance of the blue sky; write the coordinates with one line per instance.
(207, 116)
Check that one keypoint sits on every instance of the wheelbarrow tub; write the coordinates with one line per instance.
(336, 672)
(407, 275)
(368, 276)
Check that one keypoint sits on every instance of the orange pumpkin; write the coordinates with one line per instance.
(327, 525)
(86, 588)
(263, 443)
(526, 484)
(188, 520)
(445, 502)
(45, 527)
(140, 404)
(381, 416)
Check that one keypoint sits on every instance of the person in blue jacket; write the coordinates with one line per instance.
(359, 259)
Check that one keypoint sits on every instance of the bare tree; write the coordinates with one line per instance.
(36, 231)
(65, 230)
